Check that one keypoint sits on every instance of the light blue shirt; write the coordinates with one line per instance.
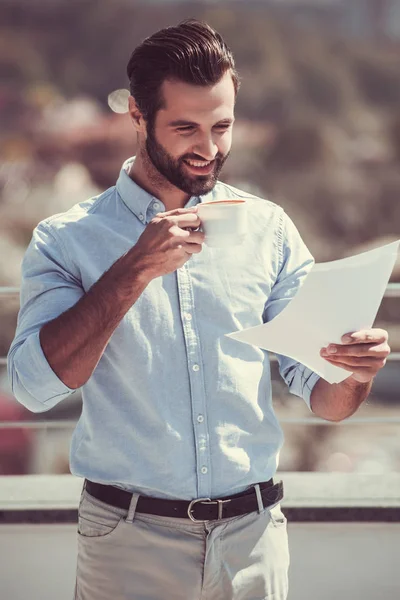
(174, 409)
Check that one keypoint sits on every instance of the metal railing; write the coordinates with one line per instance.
(392, 291)
(9, 291)
(70, 423)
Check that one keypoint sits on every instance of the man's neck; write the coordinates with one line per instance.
(150, 180)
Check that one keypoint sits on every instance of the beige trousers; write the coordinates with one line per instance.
(123, 555)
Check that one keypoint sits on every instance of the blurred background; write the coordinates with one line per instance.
(317, 131)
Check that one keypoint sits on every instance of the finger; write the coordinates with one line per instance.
(183, 220)
(374, 350)
(339, 364)
(195, 237)
(376, 336)
(186, 235)
(362, 375)
(355, 362)
(186, 221)
(177, 212)
(192, 248)
(178, 234)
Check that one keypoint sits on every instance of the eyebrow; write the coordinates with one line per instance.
(183, 123)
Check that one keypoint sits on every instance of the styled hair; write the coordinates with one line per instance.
(191, 52)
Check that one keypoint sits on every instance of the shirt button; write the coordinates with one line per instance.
(141, 217)
(188, 316)
(156, 205)
(200, 418)
(204, 470)
(196, 368)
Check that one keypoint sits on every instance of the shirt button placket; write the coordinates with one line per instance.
(196, 383)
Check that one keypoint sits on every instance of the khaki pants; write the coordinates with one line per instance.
(123, 555)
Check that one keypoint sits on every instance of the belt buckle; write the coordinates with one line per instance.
(205, 501)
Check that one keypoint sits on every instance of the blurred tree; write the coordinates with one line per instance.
(323, 103)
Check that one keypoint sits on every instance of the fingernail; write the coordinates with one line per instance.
(347, 338)
(332, 350)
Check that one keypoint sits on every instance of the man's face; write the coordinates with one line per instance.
(192, 135)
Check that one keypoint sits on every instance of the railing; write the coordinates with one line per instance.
(70, 424)
(392, 291)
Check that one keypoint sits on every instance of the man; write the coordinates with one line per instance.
(178, 441)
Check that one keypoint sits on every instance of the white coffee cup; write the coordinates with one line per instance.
(224, 222)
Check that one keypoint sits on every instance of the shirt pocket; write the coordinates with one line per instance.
(245, 289)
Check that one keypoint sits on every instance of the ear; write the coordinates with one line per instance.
(136, 116)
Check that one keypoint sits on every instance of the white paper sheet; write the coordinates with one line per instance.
(336, 297)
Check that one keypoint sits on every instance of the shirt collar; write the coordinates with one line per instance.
(136, 198)
(141, 203)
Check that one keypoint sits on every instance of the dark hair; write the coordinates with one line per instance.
(191, 52)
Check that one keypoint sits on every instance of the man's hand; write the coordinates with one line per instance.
(164, 246)
(363, 353)
(168, 242)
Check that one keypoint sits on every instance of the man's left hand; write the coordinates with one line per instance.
(363, 353)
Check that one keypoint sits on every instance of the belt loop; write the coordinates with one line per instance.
(259, 499)
(82, 494)
(132, 508)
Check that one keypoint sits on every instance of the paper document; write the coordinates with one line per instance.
(336, 297)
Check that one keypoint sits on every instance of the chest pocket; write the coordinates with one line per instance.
(245, 285)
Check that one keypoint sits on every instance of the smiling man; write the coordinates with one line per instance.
(183, 146)
(178, 441)
(171, 155)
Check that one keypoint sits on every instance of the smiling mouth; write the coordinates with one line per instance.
(200, 167)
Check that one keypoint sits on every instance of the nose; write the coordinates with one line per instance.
(206, 148)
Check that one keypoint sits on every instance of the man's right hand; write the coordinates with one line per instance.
(164, 246)
(168, 242)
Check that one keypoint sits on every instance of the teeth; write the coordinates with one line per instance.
(198, 164)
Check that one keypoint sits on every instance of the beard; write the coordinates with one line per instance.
(174, 171)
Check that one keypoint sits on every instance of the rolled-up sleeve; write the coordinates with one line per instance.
(49, 287)
(295, 264)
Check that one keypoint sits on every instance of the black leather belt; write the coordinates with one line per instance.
(201, 509)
